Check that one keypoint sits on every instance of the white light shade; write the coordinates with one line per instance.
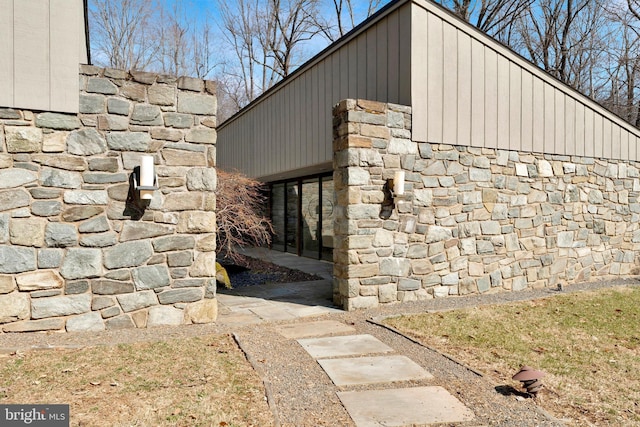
(398, 183)
(147, 173)
(146, 194)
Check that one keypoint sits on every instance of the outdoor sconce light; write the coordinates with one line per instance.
(145, 181)
(396, 184)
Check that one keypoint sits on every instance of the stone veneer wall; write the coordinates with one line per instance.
(75, 252)
(473, 220)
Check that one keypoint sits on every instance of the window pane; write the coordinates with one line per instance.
(328, 203)
(292, 217)
(310, 218)
(277, 216)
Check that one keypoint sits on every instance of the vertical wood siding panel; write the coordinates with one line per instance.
(435, 80)
(315, 143)
(298, 135)
(503, 102)
(598, 137)
(420, 74)
(633, 148)
(372, 61)
(538, 115)
(589, 133)
(293, 115)
(311, 145)
(526, 135)
(625, 152)
(325, 109)
(515, 107)
(64, 56)
(464, 90)
(393, 59)
(607, 138)
(405, 75)
(560, 123)
(6, 53)
(450, 85)
(334, 84)
(344, 73)
(549, 118)
(616, 143)
(579, 130)
(570, 126)
(477, 94)
(328, 82)
(382, 60)
(361, 42)
(491, 99)
(31, 44)
(353, 70)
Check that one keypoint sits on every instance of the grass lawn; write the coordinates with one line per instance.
(204, 381)
(588, 343)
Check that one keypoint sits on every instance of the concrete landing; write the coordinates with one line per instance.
(349, 345)
(404, 407)
(372, 370)
(314, 329)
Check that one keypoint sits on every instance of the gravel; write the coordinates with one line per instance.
(247, 271)
(301, 394)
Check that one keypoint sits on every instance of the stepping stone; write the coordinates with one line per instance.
(373, 370)
(272, 313)
(350, 345)
(404, 407)
(314, 329)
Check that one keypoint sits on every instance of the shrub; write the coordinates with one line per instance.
(240, 205)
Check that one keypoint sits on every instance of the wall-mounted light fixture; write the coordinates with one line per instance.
(145, 181)
(398, 183)
(393, 190)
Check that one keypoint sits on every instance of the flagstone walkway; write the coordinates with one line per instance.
(378, 377)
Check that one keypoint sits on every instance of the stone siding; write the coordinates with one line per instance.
(472, 220)
(77, 252)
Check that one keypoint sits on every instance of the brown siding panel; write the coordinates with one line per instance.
(450, 84)
(465, 75)
(6, 53)
(477, 94)
(31, 44)
(490, 98)
(435, 79)
(526, 115)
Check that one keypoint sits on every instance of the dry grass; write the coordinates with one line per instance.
(587, 343)
(204, 381)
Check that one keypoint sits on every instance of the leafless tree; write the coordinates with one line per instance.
(239, 215)
(185, 43)
(265, 37)
(154, 36)
(122, 34)
(620, 92)
(562, 37)
(493, 17)
(342, 16)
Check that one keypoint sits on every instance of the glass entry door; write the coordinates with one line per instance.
(311, 218)
(302, 216)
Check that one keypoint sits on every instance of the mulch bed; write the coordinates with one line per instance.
(247, 271)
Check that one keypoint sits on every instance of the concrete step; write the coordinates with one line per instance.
(372, 370)
(404, 407)
(341, 346)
